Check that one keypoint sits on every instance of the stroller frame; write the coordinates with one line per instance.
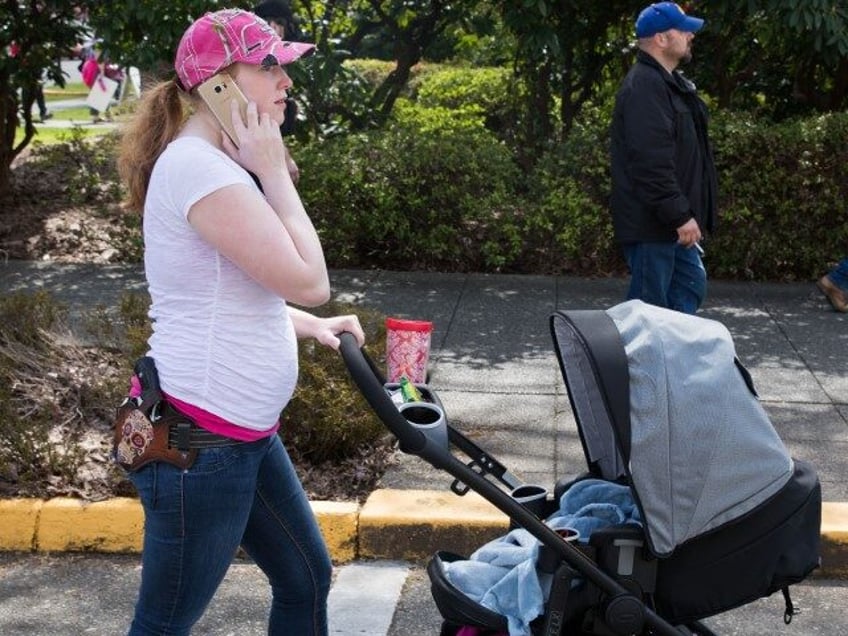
(618, 605)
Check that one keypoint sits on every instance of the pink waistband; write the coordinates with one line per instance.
(218, 425)
(207, 420)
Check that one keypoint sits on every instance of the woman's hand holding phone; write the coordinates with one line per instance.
(260, 146)
(250, 139)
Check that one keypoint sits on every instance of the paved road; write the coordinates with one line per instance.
(74, 594)
(69, 595)
(496, 374)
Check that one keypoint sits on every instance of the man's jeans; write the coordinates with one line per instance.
(667, 275)
(247, 494)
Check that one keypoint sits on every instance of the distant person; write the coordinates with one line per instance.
(281, 18)
(32, 93)
(664, 185)
(834, 285)
(229, 250)
(35, 93)
(94, 65)
(279, 15)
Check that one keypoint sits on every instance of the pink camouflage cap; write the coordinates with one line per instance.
(225, 37)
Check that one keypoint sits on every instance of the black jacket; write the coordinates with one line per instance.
(663, 172)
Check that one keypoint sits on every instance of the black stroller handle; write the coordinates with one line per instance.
(370, 382)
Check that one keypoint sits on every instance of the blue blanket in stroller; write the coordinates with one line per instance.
(502, 575)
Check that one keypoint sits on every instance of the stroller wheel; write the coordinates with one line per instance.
(624, 614)
(448, 629)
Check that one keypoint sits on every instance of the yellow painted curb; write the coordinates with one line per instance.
(392, 524)
(339, 525)
(835, 521)
(18, 523)
(117, 525)
(834, 538)
(413, 524)
(114, 525)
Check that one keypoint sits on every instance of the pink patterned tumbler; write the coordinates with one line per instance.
(407, 349)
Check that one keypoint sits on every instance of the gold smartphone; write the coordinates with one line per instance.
(217, 92)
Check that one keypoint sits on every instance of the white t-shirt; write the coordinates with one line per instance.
(221, 341)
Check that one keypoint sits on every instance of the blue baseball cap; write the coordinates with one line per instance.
(662, 16)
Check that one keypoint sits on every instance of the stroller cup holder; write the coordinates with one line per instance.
(429, 419)
(535, 499)
(426, 415)
(377, 392)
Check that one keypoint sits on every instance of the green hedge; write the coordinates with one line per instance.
(783, 197)
(413, 197)
(439, 190)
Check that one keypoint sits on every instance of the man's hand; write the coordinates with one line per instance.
(689, 233)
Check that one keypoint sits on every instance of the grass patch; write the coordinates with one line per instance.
(78, 122)
(71, 90)
(78, 114)
(49, 136)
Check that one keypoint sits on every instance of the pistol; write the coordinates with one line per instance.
(151, 392)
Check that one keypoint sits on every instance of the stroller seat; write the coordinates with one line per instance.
(662, 404)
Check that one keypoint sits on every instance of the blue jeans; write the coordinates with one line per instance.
(839, 275)
(194, 521)
(666, 274)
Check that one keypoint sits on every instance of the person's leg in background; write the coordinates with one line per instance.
(35, 95)
(650, 271)
(834, 285)
(666, 274)
(42, 105)
(689, 281)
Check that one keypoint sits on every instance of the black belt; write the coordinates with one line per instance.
(184, 434)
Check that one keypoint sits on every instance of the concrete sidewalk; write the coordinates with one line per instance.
(494, 368)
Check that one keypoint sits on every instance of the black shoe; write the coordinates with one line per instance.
(46, 116)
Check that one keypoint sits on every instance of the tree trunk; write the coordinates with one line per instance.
(386, 95)
(8, 127)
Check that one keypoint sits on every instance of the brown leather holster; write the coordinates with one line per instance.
(138, 440)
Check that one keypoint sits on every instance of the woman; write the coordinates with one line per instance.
(227, 245)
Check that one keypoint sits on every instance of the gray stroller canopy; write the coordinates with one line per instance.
(662, 403)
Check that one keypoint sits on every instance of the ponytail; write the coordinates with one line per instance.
(158, 119)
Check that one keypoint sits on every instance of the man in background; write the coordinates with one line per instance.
(664, 185)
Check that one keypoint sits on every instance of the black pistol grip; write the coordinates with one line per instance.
(148, 377)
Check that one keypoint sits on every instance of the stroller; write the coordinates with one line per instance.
(665, 411)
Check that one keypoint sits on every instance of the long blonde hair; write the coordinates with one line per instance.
(159, 117)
